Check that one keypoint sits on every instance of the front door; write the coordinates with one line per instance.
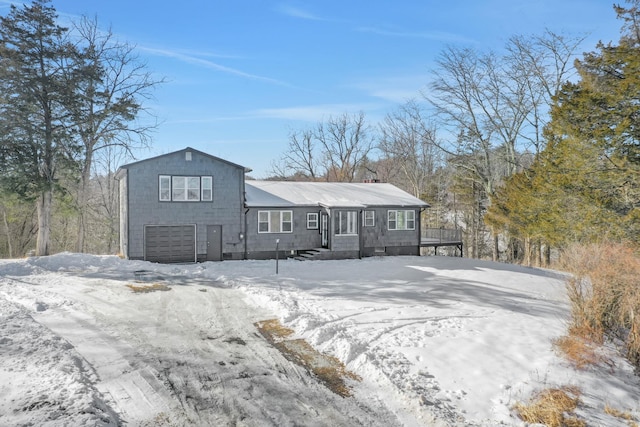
(324, 229)
(214, 243)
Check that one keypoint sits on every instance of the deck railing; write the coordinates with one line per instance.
(442, 235)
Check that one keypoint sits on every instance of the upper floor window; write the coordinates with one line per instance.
(402, 220)
(207, 188)
(185, 188)
(275, 221)
(346, 223)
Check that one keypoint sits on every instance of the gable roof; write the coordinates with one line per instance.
(328, 194)
(128, 165)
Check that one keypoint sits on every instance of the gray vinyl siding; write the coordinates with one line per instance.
(226, 209)
(261, 245)
(380, 240)
(370, 241)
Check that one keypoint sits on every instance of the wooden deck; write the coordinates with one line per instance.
(437, 237)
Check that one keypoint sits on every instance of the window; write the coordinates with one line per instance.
(185, 188)
(402, 220)
(207, 189)
(369, 218)
(312, 221)
(193, 188)
(165, 188)
(275, 221)
(346, 223)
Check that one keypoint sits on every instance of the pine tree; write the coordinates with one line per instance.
(585, 185)
(34, 141)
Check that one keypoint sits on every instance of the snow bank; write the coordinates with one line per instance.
(437, 340)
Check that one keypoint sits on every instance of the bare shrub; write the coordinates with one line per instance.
(581, 352)
(608, 409)
(552, 407)
(328, 369)
(604, 291)
(144, 289)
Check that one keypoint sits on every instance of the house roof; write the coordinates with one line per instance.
(128, 165)
(328, 194)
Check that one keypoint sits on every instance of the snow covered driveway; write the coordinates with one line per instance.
(436, 341)
(188, 356)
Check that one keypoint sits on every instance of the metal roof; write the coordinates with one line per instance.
(328, 194)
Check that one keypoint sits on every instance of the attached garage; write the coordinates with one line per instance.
(170, 243)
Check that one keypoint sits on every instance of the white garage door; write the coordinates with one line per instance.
(170, 243)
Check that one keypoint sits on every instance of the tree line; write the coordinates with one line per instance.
(526, 149)
(71, 104)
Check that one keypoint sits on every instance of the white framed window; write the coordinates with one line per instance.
(312, 221)
(369, 218)
(193, 188)
(207, 189)
(185, 188)
(179, 188)
(401, 220)
(275, 221)
(346, 223)
(164, 187)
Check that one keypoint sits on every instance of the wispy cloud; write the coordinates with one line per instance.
(206, 63)
(429, 35)
(313, 113)
(297, 12)
(396, 89)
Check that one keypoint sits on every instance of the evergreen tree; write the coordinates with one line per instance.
(34, 141)
(585, 185)
(597, 121)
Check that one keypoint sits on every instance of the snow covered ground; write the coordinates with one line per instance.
(436, 341)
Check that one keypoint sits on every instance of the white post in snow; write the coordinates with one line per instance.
(277, 242)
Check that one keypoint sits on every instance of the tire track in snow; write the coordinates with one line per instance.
(190, 356)
(133, 393)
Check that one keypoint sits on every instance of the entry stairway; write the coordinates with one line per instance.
(311, 254)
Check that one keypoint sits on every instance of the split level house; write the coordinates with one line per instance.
(189, 206)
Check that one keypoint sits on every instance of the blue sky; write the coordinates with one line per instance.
(242, 74)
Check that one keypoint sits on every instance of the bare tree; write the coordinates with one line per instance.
(544, 63)
(334, 150)
(346, 142)
(409, 141)
(19, 225)
(301, 155)
(107, 103)
(497, 105)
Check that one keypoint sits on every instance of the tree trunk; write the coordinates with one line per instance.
(44, 205)
(547, 255)
(81, 232)
(527, 251)
(539, 253)
(82, 196)
(6, 227)
(496, 248)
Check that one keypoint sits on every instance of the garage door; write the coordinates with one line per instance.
(170, 243)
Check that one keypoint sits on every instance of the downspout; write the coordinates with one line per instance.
(245, 233)
(243, 224)
(360, 233)
(422, 209)
(127, 227)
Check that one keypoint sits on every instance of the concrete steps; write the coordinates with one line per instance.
(311, 254)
